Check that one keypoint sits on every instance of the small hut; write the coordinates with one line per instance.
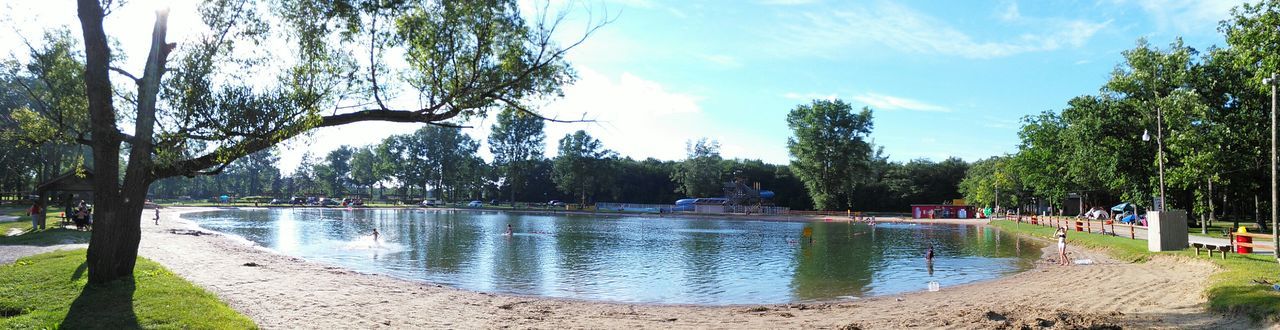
(66, 189)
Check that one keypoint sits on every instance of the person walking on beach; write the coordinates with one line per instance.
(1062, 245)
(157, 215)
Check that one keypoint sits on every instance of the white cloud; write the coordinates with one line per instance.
(725, 61)
(787, 2)
(634, 116)
(1011, 13)
(810, 96)
(886, 102)
(831, 33)
(1186, 16)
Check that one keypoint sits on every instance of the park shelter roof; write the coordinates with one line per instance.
(70, 181)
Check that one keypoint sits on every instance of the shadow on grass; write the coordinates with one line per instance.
(79, 271)
(1256, 301)
(107, 306)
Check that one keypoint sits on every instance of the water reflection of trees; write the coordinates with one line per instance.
(637, 258)
(838, 262)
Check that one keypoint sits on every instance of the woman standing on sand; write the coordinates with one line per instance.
(1062, 245)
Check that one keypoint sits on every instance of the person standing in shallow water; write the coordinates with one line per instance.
(509, 233)
(928, 255)
(375, 235)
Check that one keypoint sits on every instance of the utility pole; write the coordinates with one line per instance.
(1160, 152)
(1272, 82)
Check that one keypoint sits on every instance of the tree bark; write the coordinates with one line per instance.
(110, 256)
(113, 247)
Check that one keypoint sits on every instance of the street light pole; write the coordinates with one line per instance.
(1160, 152)
(1272, 82)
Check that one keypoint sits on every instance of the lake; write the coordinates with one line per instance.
(640, 259)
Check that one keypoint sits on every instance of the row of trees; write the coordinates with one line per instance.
(1208, 110)
(441, 162)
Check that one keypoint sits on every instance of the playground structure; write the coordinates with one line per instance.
(738, 193)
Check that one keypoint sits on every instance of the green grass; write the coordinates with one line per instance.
(49, 291)
(1231, 289)
(1216, 228)
(18, 211)
(51, 235)
(1120, 248)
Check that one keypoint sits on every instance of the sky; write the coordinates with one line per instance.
(943, 78)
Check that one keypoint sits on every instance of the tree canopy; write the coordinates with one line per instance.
(828, 149)
(190, 115)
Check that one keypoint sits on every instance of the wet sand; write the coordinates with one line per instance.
(279, 291)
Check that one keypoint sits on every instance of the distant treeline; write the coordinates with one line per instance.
(895, 185)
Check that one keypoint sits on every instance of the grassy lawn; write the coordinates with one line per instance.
(46, 237)
(48, 291)
(18, 211)
(51, 235)
(1216, 228)
(1231, 289)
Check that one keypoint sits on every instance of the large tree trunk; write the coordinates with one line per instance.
(113, 247)
(110, 256)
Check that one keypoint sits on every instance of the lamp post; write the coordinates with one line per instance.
(1272, 81)
(1159, 152)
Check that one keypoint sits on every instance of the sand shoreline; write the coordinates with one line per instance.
(279, 291)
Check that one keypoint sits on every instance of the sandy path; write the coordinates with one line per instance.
(11, 253)
(283, 292)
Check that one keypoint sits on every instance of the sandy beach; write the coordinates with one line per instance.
(279, 291)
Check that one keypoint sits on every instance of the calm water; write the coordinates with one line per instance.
(635, 259)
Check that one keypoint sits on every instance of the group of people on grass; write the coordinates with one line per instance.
(81, 215)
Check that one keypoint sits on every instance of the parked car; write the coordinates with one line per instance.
(555, 203)
(431, 202)
(328, 202)
(276, 201)
(475, 204)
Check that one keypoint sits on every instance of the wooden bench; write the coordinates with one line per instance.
(1212, 248)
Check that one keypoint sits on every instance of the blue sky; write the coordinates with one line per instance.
(944, 78)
